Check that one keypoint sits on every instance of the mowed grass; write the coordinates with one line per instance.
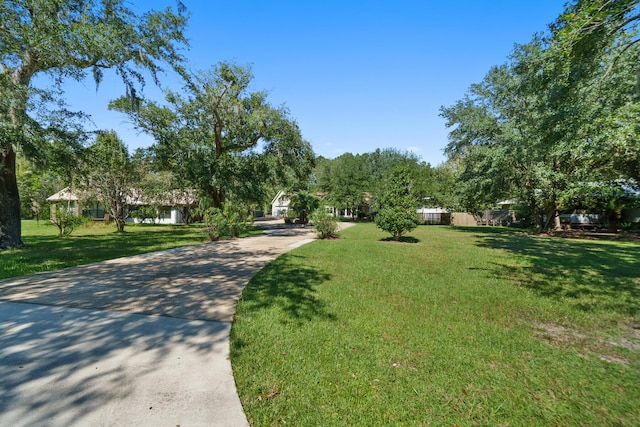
(44, 250)
(478, 326)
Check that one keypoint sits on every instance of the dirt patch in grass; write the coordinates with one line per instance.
(594, 343)
(623, 236)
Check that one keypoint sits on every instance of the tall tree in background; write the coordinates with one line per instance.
(228, 142)
(555, 117)
(397, 213)
(67, 40)
(348, 179)
(345, 180)
(111, 175)
(495, 133)
(588, 30)
(381, 161)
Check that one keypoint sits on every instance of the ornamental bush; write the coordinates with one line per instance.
(325, 225)
(232, 220)
(66, 220)
(215, 223)
(397, 213)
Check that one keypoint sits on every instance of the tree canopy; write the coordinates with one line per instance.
(349, 179)
(68, 40)
(227, 141)
(562, 112)
(397, 203)
(110, 174)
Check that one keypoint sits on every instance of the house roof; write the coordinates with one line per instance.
(64, 195)
(277, 197)
(172, 198)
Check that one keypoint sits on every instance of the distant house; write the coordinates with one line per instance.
(164, 209)
(281, 201)
(434, 216)
(168, 208)
(507, 204)
(280, 204)
(363, 210)
(66, 198)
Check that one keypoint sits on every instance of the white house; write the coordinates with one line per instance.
(165, 209)
(280, 204)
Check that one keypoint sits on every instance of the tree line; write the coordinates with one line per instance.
(215, 134)
(351, 181)
(556, 126)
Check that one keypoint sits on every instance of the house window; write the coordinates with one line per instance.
(94, 210)
(164, 213)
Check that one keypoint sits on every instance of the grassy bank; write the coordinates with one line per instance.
(44, 250)
(465, 327)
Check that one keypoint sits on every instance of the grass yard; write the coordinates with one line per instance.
(477, 326)
(45, 250)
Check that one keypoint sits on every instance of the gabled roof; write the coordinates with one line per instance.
(172, 198)
(63, 195)
(278, 195)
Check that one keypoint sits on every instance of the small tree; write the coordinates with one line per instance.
(230, 221)
(65, 219)
(397, 214)
(325, 225)
(112, 175)
(215, 223)
(304, 203)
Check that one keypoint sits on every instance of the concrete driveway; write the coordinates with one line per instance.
(141, 341)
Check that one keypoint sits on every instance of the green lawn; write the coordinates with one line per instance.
(477, 326)
(44, 250)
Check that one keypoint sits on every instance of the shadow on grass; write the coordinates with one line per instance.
(403, 239)
(587, 274)
(58, 252)
(197, 283)
(289, 285)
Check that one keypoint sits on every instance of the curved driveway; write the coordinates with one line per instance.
(142, 340)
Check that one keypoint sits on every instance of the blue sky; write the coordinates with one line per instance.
(356, 75)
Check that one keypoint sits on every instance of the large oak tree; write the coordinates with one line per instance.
(68, 40)
(226, 141)
(561, 114)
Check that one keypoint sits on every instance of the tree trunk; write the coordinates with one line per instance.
(612, 221)
(537, 215)
(217, 197)
(553, 218)
(10, 228)
(118, 216)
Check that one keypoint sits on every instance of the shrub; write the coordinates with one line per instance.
(66, 221)
(397, 214)
(146, 214)
(238, 218)
(325, 225)
(231, 220)
(215, 223)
